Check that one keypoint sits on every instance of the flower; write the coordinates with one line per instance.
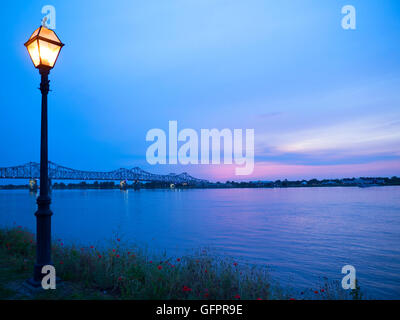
(205, 271)
(117, 255)
(292, 299)
(186, 289)
(237, 296)
(159, 267)
(129, 253)
(179, 259)
(120, 279)
(259, 299)
(61, 262)
(322, 290)
(118, 239)
(99, 255)
(91, 247)
(61, 244)
(206, 295)
(150, 261)
(316, 292)
(235, 264)
(113, 250)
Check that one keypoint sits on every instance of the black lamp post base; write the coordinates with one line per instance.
(35, 285)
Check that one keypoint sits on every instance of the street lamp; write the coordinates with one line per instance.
(44, 47)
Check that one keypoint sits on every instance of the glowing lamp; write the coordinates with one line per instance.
(44, 47)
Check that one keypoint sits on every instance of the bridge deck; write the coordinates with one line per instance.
(31, 170)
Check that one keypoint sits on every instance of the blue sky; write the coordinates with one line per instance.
(324, 101)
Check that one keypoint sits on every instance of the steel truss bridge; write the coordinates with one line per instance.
(31, 170)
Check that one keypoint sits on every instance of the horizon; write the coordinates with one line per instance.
(6, 181)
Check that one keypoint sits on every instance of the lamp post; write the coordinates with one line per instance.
(44, 47)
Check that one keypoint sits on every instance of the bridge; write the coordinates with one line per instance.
(31, 170)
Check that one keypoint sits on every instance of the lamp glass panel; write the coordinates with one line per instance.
(34, 33)
(48, 53)
(33, 50)
(48, 34)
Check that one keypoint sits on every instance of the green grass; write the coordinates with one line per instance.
(123, 271)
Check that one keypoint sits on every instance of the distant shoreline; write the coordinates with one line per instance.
(313, 183)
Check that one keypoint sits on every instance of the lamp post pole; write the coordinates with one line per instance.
(44, 47)
(43, 213)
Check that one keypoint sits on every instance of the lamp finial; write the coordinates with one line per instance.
(44, 22)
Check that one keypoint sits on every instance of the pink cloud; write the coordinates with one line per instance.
(273, 171)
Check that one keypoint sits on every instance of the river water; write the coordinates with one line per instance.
(302, 234)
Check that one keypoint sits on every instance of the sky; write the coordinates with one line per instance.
(324, 102)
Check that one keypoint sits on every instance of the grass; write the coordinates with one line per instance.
(123, 271)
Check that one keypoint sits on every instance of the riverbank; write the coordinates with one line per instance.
(127, 272)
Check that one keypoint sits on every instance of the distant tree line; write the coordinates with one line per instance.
(362, 181)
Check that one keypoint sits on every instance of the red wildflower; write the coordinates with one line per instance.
(172, 266)
(205, 271)
(179, 259)
(99, 255)
(120, 279)
(113, 250)
(235, 264)
(117, 255)
(61, 244)
(91, 247)
(118, 239)
(186, 289)
(206, 295)
(292, 299)
(316, 292)
(129, 253)
(150, 261)
(159, 267)
(61, 262)
(322, 290)
(259, 299)
(237, 296)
